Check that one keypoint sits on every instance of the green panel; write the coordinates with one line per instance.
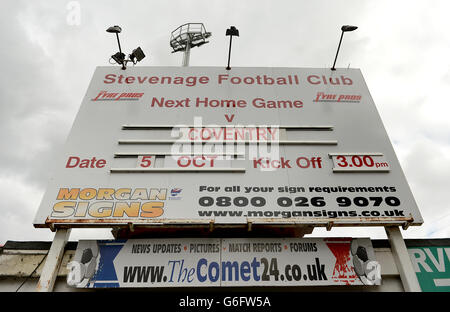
(432, 266)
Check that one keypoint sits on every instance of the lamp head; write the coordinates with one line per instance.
(114, 29)
(348, 28)
(232, 31)
(119, 58)
(137, 55)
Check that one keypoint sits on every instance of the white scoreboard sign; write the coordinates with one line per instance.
(164, 145)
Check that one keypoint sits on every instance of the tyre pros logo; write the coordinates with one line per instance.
(118, 96)
(175, 194)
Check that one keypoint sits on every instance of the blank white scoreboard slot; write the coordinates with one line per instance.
(308, 128)
(147, 127)
(311, 133)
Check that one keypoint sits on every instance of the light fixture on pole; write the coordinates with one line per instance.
(232, 31)
(136, 56)
(344, 28)
(188, 36)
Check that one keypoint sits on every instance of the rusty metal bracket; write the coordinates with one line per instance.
(408, 222)
(52, 227)
(330, 225)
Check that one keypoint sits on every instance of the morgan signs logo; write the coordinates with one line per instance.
(117, 96)
(99, 203)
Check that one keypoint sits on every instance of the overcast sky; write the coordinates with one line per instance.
(50, 50)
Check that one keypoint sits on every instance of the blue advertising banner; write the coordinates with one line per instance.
(205, 262)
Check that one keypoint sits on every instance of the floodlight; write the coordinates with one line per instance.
(232, 31)
(188, 36)
(344, 28)
(348, 28)
(136, 56)
(118, 57)
(114, 29)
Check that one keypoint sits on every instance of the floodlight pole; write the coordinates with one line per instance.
(344, 28)
(337, 52)
(120, 50)
(118, 42)
(188, 36)
(232, 31)
(229, 54)
(187, 53)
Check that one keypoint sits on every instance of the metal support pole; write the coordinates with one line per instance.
(402, 260)
(187, 54)
(120, 50)
(229, 54)
(337, 52)
(53, 261)
(118, 42)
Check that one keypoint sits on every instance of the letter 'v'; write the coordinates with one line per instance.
(228, 118)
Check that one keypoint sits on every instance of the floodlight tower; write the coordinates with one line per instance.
(188, 36)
